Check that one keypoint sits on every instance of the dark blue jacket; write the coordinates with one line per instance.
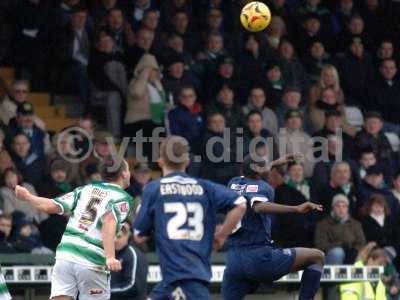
(36, 138)
(188, 124)
(31, 167)
(130, 282)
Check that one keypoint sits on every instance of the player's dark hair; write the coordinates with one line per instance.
(111, 169)
(252, 113)
(253, 166)
(174, 151)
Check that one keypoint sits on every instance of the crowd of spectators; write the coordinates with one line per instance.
(188, 66)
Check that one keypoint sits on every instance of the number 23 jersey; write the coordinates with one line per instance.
(82, 240)
(181, 212)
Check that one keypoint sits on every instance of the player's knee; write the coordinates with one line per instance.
(319, 256)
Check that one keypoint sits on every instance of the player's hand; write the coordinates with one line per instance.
(219, 241)
(22, 193)
(113, 264)
(307, 207)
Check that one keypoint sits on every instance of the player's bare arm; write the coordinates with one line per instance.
(274, 208)
(40, 203)
(232, 219)
(108, 234)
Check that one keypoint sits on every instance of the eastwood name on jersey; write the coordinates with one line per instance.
(181, 189)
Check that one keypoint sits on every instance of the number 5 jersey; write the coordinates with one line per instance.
(82, 240)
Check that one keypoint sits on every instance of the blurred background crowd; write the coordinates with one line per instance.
(320, 68)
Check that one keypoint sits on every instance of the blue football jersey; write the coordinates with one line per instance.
(181, 212)
(254, 229)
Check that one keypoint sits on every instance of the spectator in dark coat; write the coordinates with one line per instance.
(57, 183)
(226, 105)
(309, 31)
(339, 235)
(135, 10)
(290, 230)
(176, 76)
(334, 125)
(187, 119)
(29, 164)
(378, 224)
(140, 177)
(256, 136)
(275, 83)
(356, 70)
(366, 159)
(24, 123)
(176, 46)
(372, 136)
(72, 46)
(315, 58)
(130, 282)
(384, 93)
(292, 69)
(291, 99)
(339, 183)
(144, 40)
(119, 30)
(221, 166)
(373, 183)
(5, 232)
(342, 14)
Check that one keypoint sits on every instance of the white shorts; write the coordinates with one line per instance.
(69, 278)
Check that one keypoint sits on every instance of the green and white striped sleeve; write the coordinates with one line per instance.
(67, 202)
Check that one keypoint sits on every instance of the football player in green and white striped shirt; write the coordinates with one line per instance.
(4, 294)
(86, 252)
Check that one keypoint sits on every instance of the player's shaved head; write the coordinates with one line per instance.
(174, 152)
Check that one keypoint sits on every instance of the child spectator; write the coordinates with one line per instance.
(28, 240)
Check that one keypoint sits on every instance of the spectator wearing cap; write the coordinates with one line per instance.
(56, 184)
(292, 69)
(258, 101)
(292, 139)
(146, 100)
(102, 145)
(289, 230)
(334, 125)
(73, 44)
(339, 235)
(329, 77)
(140, 177)
(187, 119)
(226, 104)
(213, 142)
(18, 94)
(256, 136)
(250, 63)
(225, 75)
(108, 78)
(315, 59)
(326, 104)
(384, 93)
(28, 163)
(275, 83)
(291, 99)
(373, 183)
(372, 136)
(378, 223)
(5, 158)
(356, 70)
(177, 76)
(24, 122)
(11, 203)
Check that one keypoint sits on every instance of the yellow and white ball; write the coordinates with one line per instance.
(255, 16)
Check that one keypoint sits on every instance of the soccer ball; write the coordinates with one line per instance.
(255, 16)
